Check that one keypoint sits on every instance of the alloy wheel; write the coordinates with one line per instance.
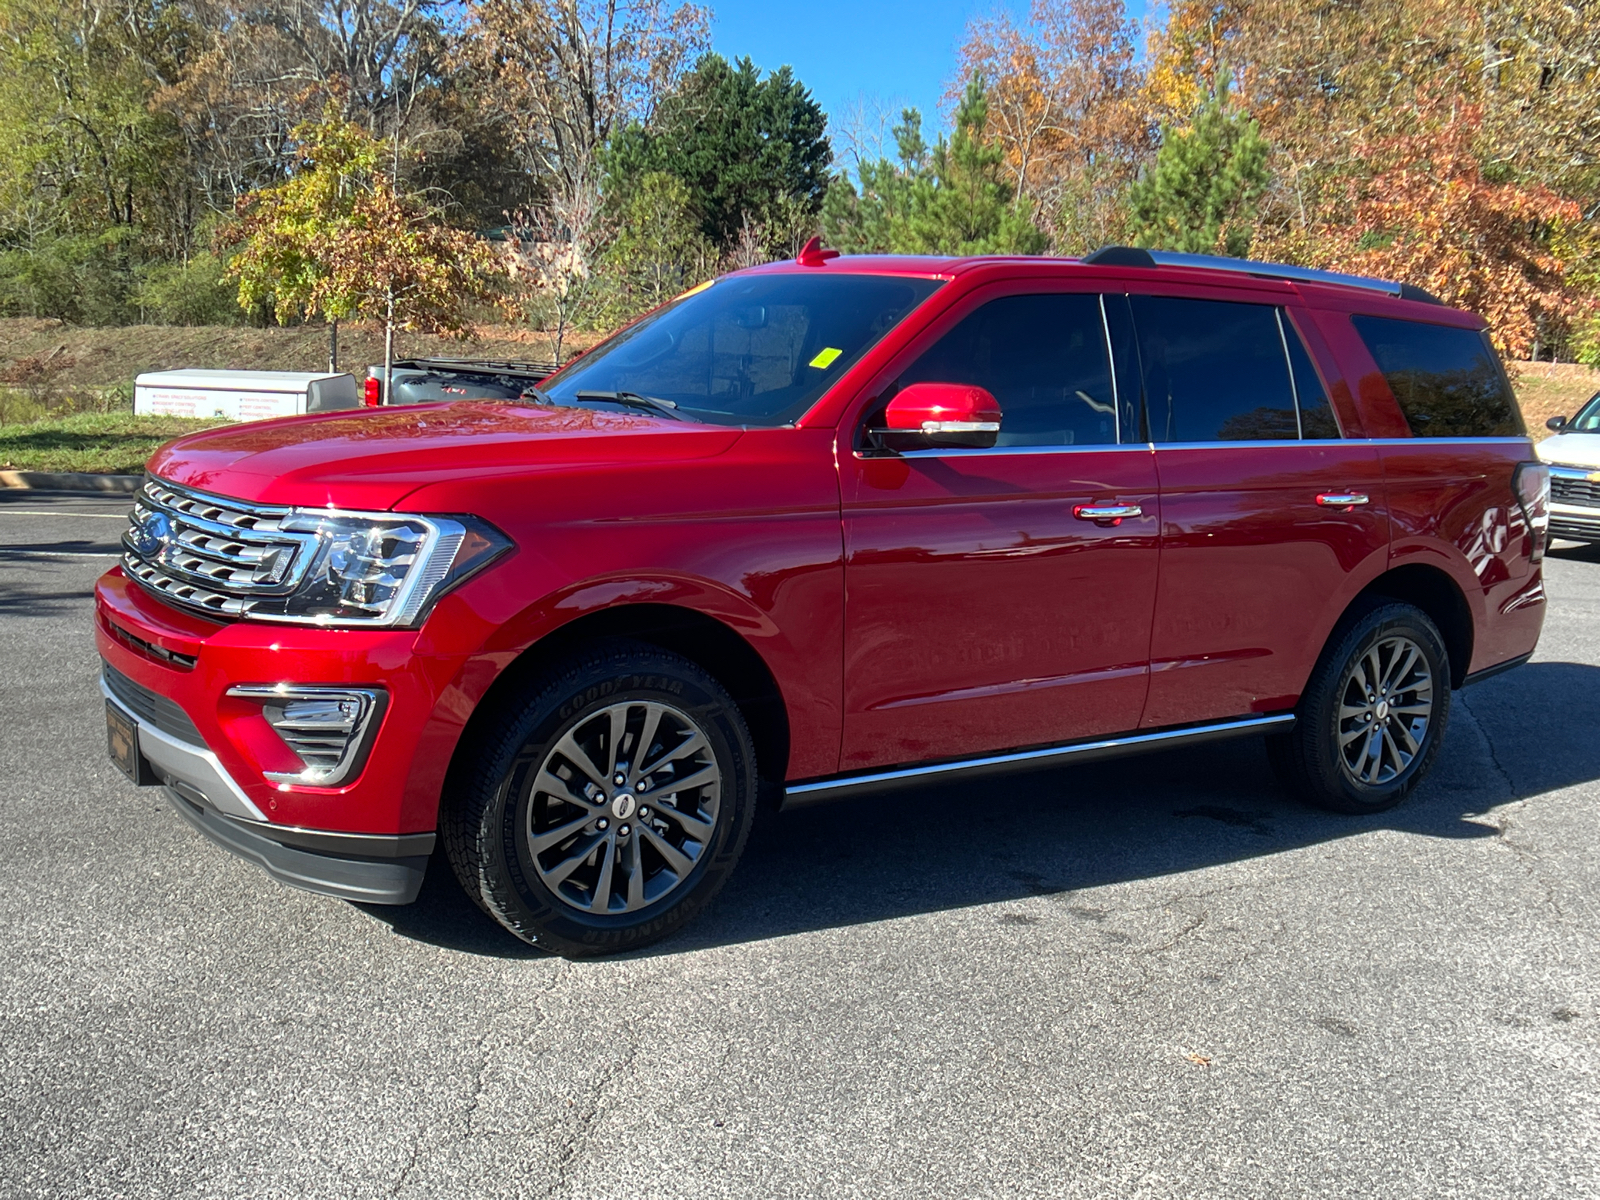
(1385, 707)
(622, 807)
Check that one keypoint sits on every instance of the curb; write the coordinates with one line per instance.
(72, 481)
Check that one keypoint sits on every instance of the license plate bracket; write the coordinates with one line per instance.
(122, 743)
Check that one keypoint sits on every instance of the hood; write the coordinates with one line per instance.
(1571, 449)
(372, 458)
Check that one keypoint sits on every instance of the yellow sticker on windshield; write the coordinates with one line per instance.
(824, 360)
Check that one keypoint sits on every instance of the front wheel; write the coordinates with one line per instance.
(1373, 714)
(609, 803)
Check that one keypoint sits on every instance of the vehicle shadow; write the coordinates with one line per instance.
(1054, 833)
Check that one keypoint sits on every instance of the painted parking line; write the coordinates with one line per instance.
(45, 512)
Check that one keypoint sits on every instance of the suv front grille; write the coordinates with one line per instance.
(1585, 492)
(209, 553)
(151, 707)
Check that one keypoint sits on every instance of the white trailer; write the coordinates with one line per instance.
(242, 395)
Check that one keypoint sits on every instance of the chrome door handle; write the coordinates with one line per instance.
(1106, 512)
(1343, 499)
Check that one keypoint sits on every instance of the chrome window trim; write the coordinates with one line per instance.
(1497, 439)
(975, 451)
(1111, 364)
(797, 795)
(1265, 444)
(1288, 362)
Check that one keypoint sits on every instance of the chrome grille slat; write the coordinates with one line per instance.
(1582, 492)
(217, 555)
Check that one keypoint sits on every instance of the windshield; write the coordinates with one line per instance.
(748, 350)
(1588, 418)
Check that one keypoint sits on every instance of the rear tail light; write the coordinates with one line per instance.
(372, 392)
(1532, 485)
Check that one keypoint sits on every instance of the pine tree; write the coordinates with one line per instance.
(750, 150)
(953, 199)
(1204, 191)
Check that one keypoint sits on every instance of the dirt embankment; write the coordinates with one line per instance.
(72, 357)
(98, 358)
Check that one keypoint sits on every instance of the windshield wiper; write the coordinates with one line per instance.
(638, 400)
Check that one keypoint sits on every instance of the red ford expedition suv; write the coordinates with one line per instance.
(816, 528)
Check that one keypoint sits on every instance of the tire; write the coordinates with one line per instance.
(1351, 755)
(567, 860)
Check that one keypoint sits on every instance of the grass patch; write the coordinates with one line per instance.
(98, 443)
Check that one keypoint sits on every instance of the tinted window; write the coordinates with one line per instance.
(1447, 380)
(1043, 358)
(755, 350)
(1316, 414)
(1213, 371)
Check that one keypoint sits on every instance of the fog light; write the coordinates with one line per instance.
(327, 728)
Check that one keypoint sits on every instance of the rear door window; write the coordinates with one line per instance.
(1214, 371)
(1447, 380)
(1043, 358)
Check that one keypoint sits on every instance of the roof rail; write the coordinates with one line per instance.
(1132, 256)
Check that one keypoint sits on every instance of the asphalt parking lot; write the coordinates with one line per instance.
(1157, 977)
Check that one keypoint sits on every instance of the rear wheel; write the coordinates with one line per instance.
(1373, 714)
(609, 804)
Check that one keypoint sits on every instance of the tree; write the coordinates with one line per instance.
(338, 239)
(1067, 105)
(555, 251)
(874, 219)
(565, 75)
(660, 249)
(1205, 188)
(953, 199)
(395, 261)
(1429, 216)
(752, 152)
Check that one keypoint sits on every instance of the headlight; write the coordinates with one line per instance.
(379, 569)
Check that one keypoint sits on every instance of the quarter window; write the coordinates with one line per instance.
(1214, 371)
(1044, 360)
(1446, 379)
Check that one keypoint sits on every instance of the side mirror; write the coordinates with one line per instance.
(924, 416)
(1556, 423)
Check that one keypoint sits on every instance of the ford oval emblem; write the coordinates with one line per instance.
(151, 534)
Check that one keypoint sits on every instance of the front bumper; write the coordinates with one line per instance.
(369, 868)
(368, 880)
(367, 839)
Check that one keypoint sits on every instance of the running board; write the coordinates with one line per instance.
(820, 791)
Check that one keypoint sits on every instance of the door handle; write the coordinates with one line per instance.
(1343, 499)
(1110, 513)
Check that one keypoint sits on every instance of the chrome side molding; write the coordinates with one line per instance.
(820, 791)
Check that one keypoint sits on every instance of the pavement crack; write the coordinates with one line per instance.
(1189, 927)
(1502, 824)
(1488, 741)
(411, 1162)
(574, 1146)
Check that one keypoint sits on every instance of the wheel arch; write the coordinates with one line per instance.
(702, 639)
(1437, 594)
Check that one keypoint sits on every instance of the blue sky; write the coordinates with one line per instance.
(896, 54)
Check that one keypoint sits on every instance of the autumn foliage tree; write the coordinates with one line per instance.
(1429, 215)
(339, 239)
(1065, 104)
